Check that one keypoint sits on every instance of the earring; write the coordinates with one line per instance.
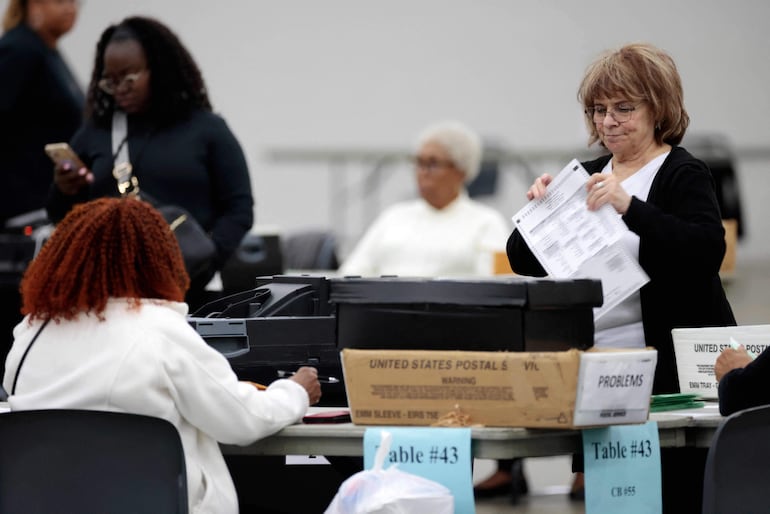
(36, 21)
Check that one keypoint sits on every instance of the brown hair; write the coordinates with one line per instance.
(106, 248)
(15, 13)
(641, 73)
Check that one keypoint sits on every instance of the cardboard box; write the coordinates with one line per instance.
(566, 389)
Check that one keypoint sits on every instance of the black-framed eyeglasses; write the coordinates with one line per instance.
(431, 164)
(621, 113)
(110, 86)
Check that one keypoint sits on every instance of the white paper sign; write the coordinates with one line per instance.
(614, 387)
(570, 241)
(697, 349)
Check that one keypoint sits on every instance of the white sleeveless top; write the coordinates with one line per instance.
(621, 326)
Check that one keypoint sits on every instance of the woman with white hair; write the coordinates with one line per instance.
(443, 233)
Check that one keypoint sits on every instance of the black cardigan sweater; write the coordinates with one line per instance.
(681, 246)
(196, 163)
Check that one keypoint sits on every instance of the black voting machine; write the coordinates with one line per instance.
(288, 321)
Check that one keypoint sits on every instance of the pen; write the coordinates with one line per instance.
(321, 378)
(734, 345)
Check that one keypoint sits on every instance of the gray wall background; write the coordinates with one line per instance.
(353, 81)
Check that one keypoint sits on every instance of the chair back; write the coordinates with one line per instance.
(83, 461)
(738, 464)
(310, 250)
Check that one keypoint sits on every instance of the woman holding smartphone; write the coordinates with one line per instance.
(180, 151)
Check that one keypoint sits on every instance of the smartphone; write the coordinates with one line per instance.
(61, 153)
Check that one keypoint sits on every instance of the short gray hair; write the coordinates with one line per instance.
(461, 143)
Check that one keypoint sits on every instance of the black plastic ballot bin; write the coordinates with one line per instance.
(501, 314)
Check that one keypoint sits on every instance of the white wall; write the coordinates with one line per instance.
(348, 74)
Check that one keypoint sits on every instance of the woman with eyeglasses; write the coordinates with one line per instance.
(444, 232)
(634, 106)
(180, 151)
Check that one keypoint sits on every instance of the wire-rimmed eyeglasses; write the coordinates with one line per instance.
(621, 114)
(431, 164)
(110, 86)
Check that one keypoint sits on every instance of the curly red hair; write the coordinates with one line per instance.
(105, 248)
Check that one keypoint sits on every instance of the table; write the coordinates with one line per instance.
(677, 429)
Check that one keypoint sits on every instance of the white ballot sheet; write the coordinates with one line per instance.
(570, 241)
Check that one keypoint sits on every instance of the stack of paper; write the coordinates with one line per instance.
(570, 241)
(675, 401)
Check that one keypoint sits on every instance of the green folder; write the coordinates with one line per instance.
(675, 401)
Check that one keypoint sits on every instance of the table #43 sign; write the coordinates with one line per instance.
(622, 469)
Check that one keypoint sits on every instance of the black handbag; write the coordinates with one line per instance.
(198, 249)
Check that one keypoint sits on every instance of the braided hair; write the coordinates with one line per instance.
(176, 82)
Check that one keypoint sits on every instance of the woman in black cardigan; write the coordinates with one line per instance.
(634, 108)
(633, 100)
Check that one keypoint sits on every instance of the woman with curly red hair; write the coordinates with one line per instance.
(106, 329)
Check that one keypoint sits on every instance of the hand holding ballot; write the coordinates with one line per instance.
(572, 241)
(537, 189)
(606, 189)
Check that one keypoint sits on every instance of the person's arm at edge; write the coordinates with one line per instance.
(746, 387)
(521, 258)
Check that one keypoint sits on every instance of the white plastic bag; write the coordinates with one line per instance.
(390, 491)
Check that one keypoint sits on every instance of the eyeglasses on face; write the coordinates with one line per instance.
(110, 85)
(621, 113)
(431, 164)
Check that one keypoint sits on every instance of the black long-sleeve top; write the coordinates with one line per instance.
(40, 103)
(196, 163)
(681, 246)
(746, 387)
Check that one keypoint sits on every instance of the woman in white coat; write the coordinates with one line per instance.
(106, 330)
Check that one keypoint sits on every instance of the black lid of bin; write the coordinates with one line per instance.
(579, 292)
(503, 291)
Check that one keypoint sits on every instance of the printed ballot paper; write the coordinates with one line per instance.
(570, 241)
